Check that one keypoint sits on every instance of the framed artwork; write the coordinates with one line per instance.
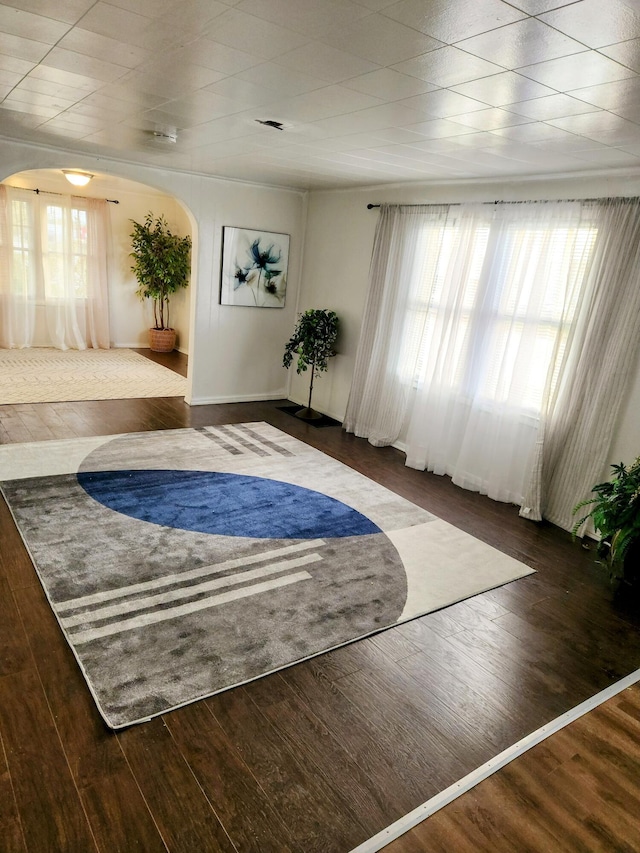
(254, 268)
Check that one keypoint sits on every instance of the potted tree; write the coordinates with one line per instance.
(312, 342)
(615, 512)
(161, 264)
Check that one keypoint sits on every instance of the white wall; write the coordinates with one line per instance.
(338, 246)
(234, 353)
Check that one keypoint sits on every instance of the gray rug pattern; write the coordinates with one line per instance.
(158, 617)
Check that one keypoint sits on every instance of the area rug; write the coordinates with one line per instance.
(43, 375)
(181, 563)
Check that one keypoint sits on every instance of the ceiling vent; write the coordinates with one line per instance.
(276, 125)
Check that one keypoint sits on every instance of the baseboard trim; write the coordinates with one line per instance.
(237, 398)
(413, 818)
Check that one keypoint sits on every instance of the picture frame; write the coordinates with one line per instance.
(254, 267)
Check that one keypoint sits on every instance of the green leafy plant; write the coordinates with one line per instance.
(161, 264)
(312, 342)
(615, 512)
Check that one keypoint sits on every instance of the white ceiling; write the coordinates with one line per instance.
(368, 91)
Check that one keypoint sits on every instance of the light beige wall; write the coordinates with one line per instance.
(340, 232)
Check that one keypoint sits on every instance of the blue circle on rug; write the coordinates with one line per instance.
(225, 504)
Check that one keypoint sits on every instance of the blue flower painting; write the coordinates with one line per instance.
(254, 268)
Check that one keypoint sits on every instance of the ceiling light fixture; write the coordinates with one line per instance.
(78, 179)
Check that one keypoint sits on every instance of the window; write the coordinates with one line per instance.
(63, 249)
(504, 316)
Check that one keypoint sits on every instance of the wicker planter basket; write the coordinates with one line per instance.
(162, 340)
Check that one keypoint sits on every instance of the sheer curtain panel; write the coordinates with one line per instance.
(54, 270)
(472, 344)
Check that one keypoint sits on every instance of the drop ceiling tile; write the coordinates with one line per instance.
(490, 119)
(13, 103)
(443, 103)
(523, 43)
(70, 11)
(309, 17)
(21, 48)
(380, 40)
(552, 106)
(569, 144)
(219, 130)
(626, 53)
(65, 129)
(85, 123)
(281, 80)
(184, 77)
(632, 149)
(599, 125)
(595, 25)
(219, 57)
(608, 157)
(128, 93)
(99, 106)
(453, 20)
(479, 139)
(438, 128)
(113, 22)
(103, 48)
(447, 66)
(83, 85)
(192, 16)
(28, 96)
(611, 96)
(200, 107)
(53, 90)
(159, 35)
(322, 103)
(388, 84)
(325, 62)
(149, 8)
(536, 7)
(87, 66)
(14, 64)
(9, 79)
(164, 87)
(398, 134)
(249, 94)
(534, 132)
(376, 118)
(501, 89)
(16, 22)
(261, 38)
(581, 69)
(18, 118)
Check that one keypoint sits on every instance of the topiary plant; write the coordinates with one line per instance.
(312, 342)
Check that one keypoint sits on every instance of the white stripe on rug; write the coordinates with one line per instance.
(202, 571)
(133, 605)
(185, 609)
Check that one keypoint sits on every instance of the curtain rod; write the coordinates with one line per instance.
(49, 192)
(528, 201)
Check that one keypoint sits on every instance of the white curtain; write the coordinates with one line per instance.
(474, 329)
(53, 267)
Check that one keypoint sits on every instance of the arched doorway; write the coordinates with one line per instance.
(129, 318)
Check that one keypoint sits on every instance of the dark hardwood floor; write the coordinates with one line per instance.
(325, 754)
